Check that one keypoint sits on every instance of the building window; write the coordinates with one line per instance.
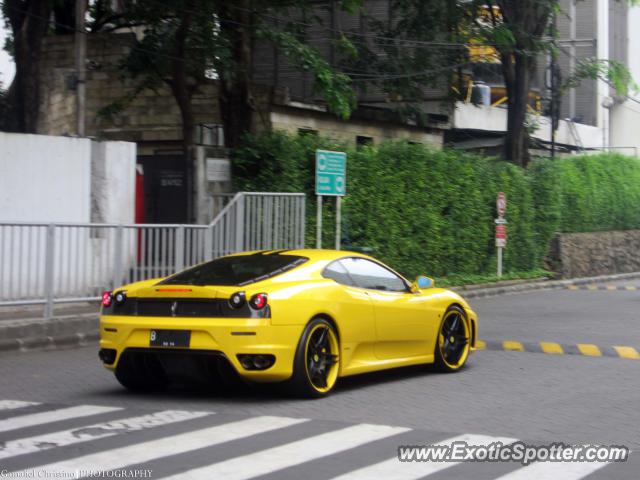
(209, 134)
(307, 131)
(361, 141)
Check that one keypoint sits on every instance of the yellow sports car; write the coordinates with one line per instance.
(305, 316)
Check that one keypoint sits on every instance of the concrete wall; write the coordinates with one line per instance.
(152, 116)
(63, 179)
(44, 179)
(113, 182)
(595, 253)
(472, 117)
(625, 115)
(292, 119)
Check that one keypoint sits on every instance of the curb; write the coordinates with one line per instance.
(48, 334)
(482, 292)
(30, 344)
(553, 348)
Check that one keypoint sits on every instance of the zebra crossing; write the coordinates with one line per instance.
(40, 440)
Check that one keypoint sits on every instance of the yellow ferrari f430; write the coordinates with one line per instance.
(307, 317)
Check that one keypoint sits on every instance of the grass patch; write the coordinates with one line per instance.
(460, 280)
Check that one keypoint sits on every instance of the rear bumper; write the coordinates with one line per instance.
(228, 337)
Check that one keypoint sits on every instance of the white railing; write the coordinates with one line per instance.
(259, 221)
(46, 264)
(62, 263)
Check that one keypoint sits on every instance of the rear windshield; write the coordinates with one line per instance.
(237, 270)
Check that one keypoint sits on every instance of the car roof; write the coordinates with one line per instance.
(311, 253)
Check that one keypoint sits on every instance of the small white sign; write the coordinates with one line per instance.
(218, 170)
(501, 204)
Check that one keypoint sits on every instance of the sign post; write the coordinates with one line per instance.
(501, 228)
(331, 181)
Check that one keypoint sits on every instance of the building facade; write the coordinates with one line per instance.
(593, 116)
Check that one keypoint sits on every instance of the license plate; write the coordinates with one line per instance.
(170, 338)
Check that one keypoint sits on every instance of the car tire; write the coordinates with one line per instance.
(317, 362)
(453, 341)
(140, 373)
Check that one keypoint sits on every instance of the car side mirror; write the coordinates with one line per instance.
(422, 282)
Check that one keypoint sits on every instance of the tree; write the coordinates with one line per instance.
(518, 30)
(29, 22)
(186, 41)
(189, 42)
(420, 45)
(521, 31)
(4, 109)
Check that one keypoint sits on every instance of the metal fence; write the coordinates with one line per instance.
(45, 264)
(259, 221)
(62, 263)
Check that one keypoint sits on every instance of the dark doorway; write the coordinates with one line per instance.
(165, 188)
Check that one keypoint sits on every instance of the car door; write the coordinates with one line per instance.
(353, 308)
(400, 317)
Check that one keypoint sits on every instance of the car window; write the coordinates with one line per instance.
(236, 270)
(368, 274)
(336, 271)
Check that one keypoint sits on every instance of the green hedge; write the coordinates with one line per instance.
(431, 211)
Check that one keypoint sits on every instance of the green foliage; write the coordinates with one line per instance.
(335, 87)
(428, 211)
(467, 279)
(596, 192)
(417, 48)
(615, 73)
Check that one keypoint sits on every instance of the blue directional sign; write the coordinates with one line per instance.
(331, 173)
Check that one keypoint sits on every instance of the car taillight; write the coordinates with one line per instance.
(258, 301)
(237, 300)
(120, 298)
(106, 299)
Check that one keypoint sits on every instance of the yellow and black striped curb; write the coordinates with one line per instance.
(553, 348)
(609, 288)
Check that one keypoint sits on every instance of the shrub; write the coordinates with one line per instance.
(430, 211)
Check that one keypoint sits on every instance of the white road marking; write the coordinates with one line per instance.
(394, 469)
(13, 404)
(164, 447)
(47, 441)
(554, 470)
(24, 421)
(295, 453)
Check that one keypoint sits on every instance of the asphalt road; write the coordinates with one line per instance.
(535, 397)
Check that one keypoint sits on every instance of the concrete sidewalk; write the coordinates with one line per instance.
(24, 328)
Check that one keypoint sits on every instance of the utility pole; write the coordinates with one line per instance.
(554, 106)
(81, 73)
(554, 87)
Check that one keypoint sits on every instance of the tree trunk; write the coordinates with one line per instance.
(182, 93)
(517, 73)
(29, 22)
(236, 102)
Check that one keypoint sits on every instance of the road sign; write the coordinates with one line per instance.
(331, 173)
(501, 236)
(501, 228)
(501, 204)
